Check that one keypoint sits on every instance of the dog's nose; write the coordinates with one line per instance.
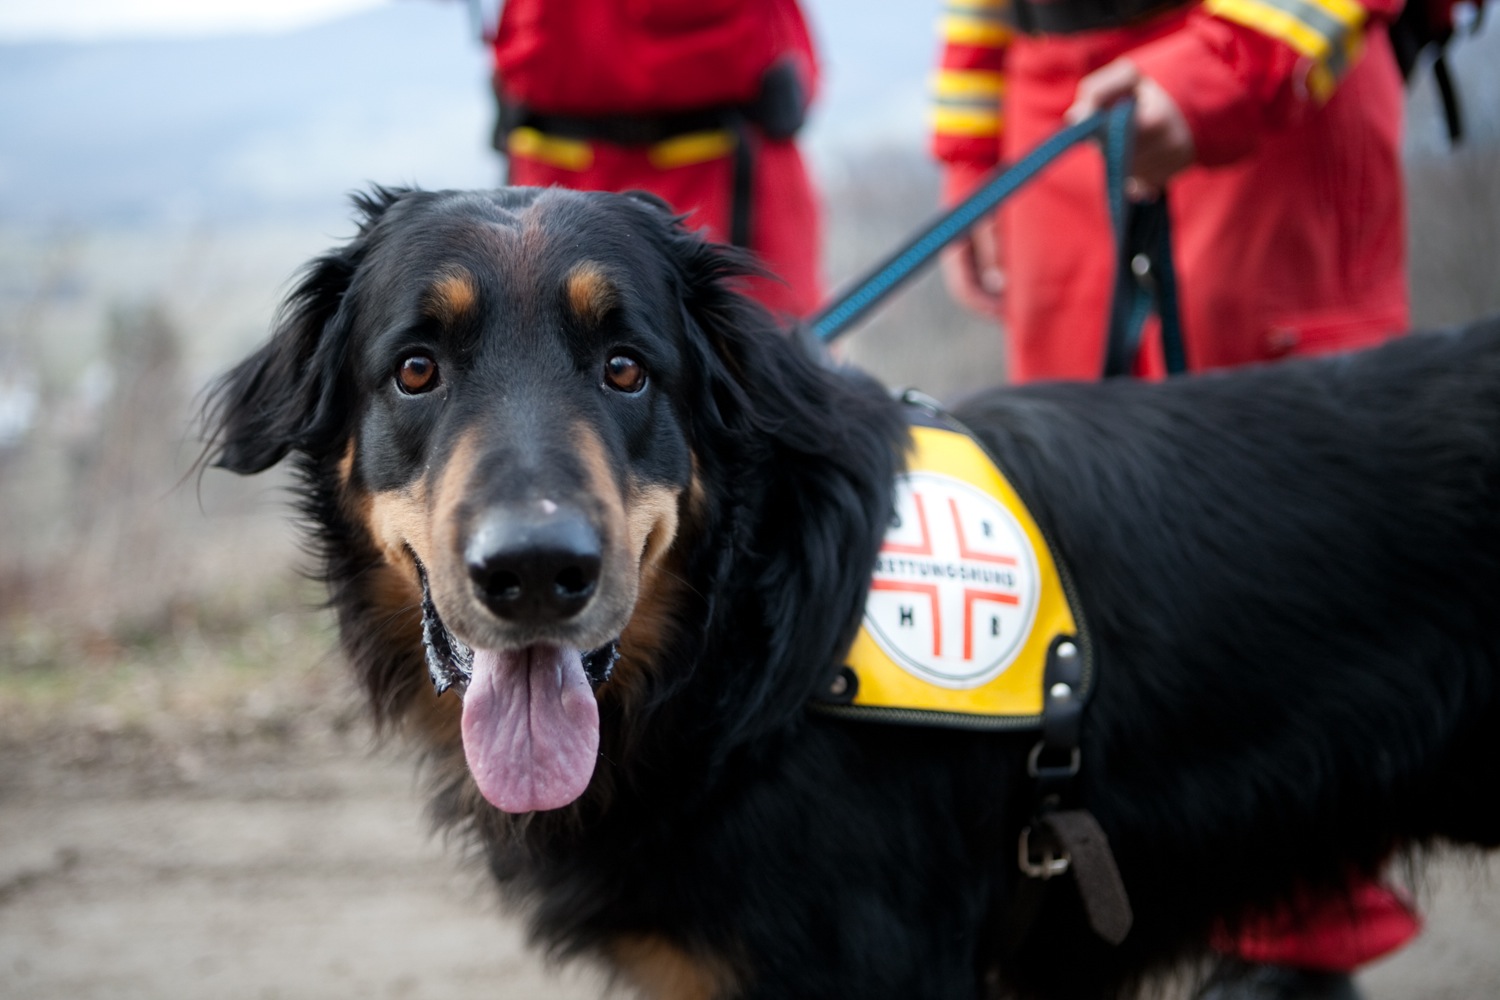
(534, 566)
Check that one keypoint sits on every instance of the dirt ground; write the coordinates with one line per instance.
(268, 865)
(267, 849)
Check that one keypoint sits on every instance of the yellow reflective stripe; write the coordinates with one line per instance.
(694, 147)
(1347, 12)
(967, 123)
(968, 83)
(1272, 21)
(1318, 29)
(959, 29)
(1328, 32)
(967, 102)
(577, 154)
(1353, 17)
(1323, 78)
(570, 154)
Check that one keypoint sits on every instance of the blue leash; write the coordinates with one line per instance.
(1144, 280)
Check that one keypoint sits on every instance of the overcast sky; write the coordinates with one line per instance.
(79, 20)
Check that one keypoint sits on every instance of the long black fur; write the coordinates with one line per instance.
(1292, 575)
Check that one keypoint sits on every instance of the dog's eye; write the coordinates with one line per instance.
(625, 373)
(418, 373)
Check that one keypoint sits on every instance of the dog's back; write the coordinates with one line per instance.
(1293, 577)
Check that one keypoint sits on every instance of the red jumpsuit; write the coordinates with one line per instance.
(586, 59)
(1289, 236)
(1289, 231)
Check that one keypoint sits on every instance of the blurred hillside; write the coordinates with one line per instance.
(235, 129)
(229, 130)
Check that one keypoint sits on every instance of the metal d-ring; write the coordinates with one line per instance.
(1036, 770)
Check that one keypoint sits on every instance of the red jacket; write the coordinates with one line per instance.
(1289, 232)
(649, 57)
(597, 56)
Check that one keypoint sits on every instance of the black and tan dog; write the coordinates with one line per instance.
(553, 458)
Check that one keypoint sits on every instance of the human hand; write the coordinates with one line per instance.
(1163, 141)
(972, 271)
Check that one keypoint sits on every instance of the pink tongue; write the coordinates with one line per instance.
(530, 727)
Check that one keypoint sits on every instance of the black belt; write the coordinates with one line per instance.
(1069, 17)
(778, 111)
(621, 129)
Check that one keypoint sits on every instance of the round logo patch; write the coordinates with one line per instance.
(954, 593)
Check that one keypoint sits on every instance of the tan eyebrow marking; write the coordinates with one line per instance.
(591, 293)
(452, 296)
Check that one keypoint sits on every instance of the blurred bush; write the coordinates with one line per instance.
(1454, 229)
(111, 549)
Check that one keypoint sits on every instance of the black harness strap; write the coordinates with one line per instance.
(742, 184)
(1060, 840)
(1055, 759)
(1083, 842)
(1145, 282)
(1453, 114)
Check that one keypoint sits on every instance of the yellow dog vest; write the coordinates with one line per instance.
(965, 604)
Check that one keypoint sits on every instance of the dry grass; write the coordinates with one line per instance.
(137, 603)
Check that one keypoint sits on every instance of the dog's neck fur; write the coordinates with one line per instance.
(803, 514)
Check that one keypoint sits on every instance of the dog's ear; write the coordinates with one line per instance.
(282, 397)
(288, 395)
(756, 371)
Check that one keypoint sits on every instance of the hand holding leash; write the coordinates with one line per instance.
(1163, 142)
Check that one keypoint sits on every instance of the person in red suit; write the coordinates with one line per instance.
(1278, 124)
(1274, 126)
(695, 101)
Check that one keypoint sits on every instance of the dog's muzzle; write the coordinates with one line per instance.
(450, 661)
(540, 566)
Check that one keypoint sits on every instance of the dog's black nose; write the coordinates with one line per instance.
(540, 566)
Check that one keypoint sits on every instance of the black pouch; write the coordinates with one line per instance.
(781, 106)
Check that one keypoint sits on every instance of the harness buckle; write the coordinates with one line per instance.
(1047, 866)
(1037, 769)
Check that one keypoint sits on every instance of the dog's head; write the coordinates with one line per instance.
(508, 409)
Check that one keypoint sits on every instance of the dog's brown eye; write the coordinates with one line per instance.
(625, 373)
(417, 373)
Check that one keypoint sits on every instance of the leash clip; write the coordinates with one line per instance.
(1075, 841)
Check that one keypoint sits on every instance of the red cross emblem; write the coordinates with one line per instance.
(953, 595)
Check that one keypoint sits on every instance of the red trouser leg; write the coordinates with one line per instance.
(1327, 933)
